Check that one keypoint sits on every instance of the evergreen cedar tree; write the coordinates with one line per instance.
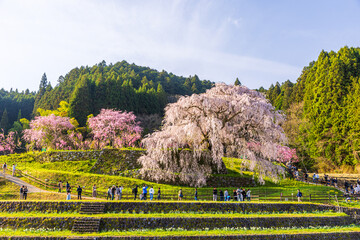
(323, 109)
(198, 130)
(122, 86)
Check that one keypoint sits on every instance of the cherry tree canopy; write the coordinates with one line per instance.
(114, 128)
(49, 131)
(8, 143)
(226, 120)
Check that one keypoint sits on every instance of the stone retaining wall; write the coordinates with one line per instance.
(39, 206)
(108, 224)
(312, 236)
(241, 207)
(63, 223)
(165, 207)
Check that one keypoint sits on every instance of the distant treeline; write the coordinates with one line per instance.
(120, 86)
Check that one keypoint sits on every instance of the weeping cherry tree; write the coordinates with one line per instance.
(200, 129)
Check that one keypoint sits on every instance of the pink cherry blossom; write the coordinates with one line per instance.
(225, 121)
(114, 128)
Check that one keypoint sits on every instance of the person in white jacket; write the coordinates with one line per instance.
(151, 192)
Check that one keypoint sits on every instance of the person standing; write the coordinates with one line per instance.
(94, 194)
(79, 191)
(60, 185)
(196, 194)
(235, 195)
(239, 195)
(25, 192)
(120, 192)
(335, 182)
(144, 192)
(68, 196)
(248, 194)
(22, 193)
(13, 170)
(244, 194)
(135, 191)
(113, 190)
(159, 195)
(346, 185)
(299, 195)
(221, 194)
(180, 195)
(67, 186)
(226, 194)
(4, 168)
(117, 193)
(151, 192)
(214, 194)
(108, 197)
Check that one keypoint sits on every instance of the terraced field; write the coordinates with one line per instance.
(176, 220)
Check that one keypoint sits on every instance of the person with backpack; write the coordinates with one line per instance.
(25, 192)
(180, 195)
(299, 195)
(226, 194)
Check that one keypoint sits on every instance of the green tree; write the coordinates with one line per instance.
(4, 124)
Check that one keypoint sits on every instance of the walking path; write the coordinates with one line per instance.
(33, 189)
(19, 182)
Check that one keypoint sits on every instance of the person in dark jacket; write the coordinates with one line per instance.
(159, 194)
(135, 191)
(25, 192)
(299, 195)
(221, 194)
(346, 185)
(79, 191)
(196, 194)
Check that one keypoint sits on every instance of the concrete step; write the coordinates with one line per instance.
(86, 225)
(92, 208)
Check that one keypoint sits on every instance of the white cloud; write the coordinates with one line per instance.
(179, 36)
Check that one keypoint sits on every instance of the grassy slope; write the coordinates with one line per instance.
(173, 215)
(182, 232)
(77, 172)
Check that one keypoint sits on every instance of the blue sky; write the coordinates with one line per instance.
(258, 41)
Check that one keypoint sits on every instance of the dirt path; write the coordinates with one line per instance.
(34, 189)
(19, 182)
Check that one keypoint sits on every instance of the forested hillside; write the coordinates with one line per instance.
(121, 86)
(13, 106)
(323, 115)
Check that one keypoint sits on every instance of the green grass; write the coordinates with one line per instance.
(182, 232)
(78, 173)
(174, 215)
